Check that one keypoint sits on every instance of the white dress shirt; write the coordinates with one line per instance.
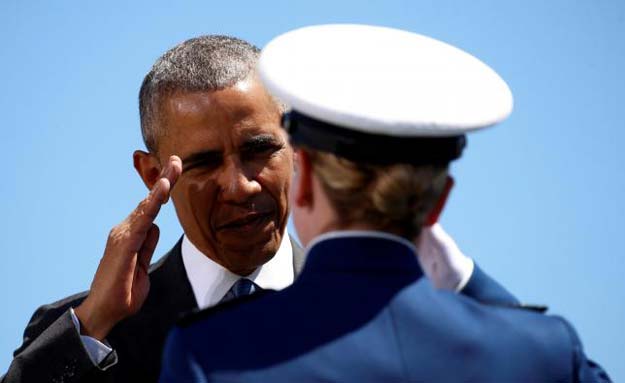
(210, 281)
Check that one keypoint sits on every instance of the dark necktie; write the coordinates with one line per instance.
(241, 288)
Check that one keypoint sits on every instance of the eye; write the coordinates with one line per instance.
(204, 163)
(266, 147)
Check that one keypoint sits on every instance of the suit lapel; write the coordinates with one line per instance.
(170, 284)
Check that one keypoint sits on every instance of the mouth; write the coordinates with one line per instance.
(246, 222)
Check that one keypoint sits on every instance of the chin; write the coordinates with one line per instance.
(244, 263)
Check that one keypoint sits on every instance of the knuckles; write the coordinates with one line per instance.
(124, 230)
(119, 235)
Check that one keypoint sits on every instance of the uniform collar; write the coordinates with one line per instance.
(210, 281)
(363, 251)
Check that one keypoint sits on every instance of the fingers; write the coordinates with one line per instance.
(139, 222)
(145, 214)
(169, 175)
(157, 197)
(148, 209)
(147, 250)
(172, 169)
(137, 225)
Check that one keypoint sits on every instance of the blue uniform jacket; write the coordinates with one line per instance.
(362, 311)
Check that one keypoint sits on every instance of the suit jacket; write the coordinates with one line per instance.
(52, 350)
(361, 311)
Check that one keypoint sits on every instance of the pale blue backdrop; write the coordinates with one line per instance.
(538, 202)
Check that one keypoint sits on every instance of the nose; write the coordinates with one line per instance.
(237, 183)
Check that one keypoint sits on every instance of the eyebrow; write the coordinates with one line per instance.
(260, 141)
(193, 159)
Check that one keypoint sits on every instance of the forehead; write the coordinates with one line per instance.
(195, 120)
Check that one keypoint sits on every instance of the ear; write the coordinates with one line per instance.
(432, 218)
(303, 179)
(148, 167)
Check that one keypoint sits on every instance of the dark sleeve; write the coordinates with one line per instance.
(584, 369)
(483, 288)
(178, 362)
(52, 350)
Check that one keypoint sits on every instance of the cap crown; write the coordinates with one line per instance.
(383, 81)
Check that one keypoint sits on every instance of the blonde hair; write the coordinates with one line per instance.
(394, 198)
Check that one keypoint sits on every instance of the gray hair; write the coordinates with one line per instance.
(205, 63)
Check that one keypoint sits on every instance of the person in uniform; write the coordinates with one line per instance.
(377, 116)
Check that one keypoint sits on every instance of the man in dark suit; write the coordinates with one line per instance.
(377, 116)
(200, 102)
(203, 103)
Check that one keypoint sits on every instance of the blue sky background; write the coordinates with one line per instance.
(538, 200)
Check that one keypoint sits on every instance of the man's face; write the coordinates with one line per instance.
(231, 198)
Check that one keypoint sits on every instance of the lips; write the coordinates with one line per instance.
(246, 221)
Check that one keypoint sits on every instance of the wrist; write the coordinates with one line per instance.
(92, 323)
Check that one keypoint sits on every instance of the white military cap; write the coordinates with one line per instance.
(381, 95)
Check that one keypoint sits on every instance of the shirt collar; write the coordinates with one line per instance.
(210, 281)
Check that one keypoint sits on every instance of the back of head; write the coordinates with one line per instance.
(205, 63)
(381, 113)
(393, 198)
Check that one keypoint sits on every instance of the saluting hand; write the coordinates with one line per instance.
(121, 282)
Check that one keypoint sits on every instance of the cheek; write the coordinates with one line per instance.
(276, 178)
(194, 199)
